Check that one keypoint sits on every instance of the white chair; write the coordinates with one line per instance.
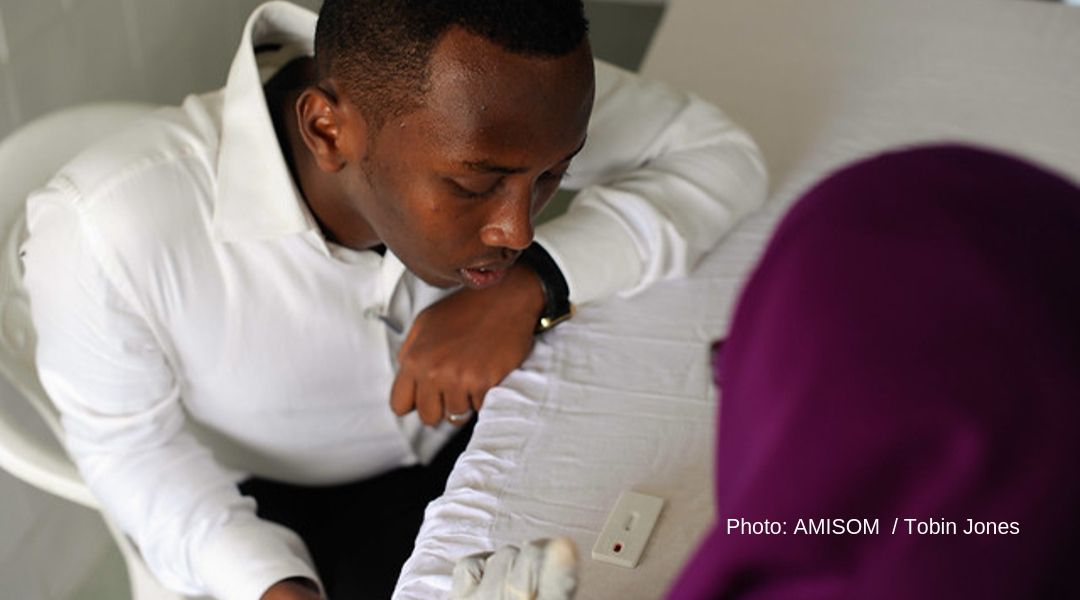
(28, 157)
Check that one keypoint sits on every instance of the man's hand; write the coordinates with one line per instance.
(466, 343)
(296, 588)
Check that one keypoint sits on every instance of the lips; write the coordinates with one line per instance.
(488, 271)
(482, 277)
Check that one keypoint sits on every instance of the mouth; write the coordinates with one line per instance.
(484, 276)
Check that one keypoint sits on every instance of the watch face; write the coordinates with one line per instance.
(549, 322)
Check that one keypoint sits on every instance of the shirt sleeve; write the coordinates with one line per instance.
(124, 422)
(663, 176)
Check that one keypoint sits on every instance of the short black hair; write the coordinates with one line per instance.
(379, 50)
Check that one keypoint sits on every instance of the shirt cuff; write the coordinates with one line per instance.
(243, 559)
(593, 250)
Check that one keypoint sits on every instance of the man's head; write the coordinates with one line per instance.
(379, 50)
(445, 125)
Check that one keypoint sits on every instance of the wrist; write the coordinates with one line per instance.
(557, 305)
(531, 288)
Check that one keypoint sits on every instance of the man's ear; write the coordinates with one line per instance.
(334, 132)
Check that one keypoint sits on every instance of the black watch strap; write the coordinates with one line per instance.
(557, 306)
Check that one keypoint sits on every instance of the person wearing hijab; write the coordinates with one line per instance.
(906, 354)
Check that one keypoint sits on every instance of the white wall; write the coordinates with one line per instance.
(56, 53)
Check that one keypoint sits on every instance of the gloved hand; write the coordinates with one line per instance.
(541, 570)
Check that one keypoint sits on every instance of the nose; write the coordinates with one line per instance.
(509, 224)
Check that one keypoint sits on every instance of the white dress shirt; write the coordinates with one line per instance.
(195, 328)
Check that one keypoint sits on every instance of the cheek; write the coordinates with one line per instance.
(399, 207)
(434, 216)
(434, 224)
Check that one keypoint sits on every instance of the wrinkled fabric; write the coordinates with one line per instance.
(906, 354)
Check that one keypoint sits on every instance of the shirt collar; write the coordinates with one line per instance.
(256, 196)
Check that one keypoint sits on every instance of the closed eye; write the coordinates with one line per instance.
(464, 191)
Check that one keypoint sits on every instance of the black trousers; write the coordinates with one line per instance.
(360, 533)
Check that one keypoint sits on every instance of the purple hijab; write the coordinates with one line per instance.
(907, 348)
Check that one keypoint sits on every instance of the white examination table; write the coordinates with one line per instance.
(620, 397)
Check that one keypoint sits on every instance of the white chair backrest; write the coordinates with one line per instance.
(28, 158)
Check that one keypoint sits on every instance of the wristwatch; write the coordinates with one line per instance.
(557, 305)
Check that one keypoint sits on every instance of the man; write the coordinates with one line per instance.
(304, 280)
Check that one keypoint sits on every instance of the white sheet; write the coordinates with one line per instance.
(619, 398)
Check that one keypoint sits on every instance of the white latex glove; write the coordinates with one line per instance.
(541, 570)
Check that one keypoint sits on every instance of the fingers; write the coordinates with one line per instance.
(429, 403)
(497, 568)
(462, 345)
(557, 579)
(403, 393)
(468, 572)
(434, 383)
(433, 399)
(457, 406)
(476, 399)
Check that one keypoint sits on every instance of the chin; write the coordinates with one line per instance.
(439, 281)
(442, 284)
